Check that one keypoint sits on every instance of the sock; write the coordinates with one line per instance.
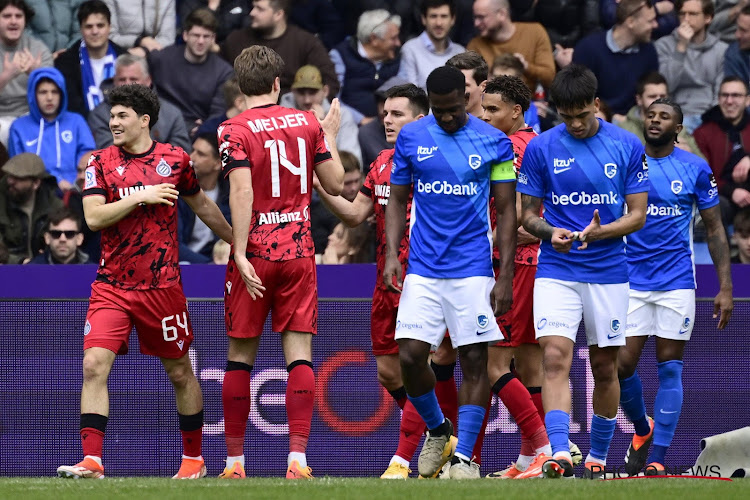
(399, 395)
(300, 457)
(93, 427)
(631, 402)
(446, 391)
(232, 460)
(470, 423)
(591, 458)
(536, 397)
(410, 433)
(518, 401)
(540, 442)
(477, 452)
(399, 460)
(523, 462)
(428, 408)
(527, 449)
(300, 400)
(235, 397)
(558, 428)
(191, 428)
(667, 407)
(602, 430)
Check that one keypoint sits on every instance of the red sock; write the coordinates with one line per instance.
(477, 452)
(447, 396)
(517, 399)
(410, 432)
(539, 439)
(536, 397)
(191, 428)
(235, 396)
(527, 449)
(300, 400)
(92, 441)
(399, 396)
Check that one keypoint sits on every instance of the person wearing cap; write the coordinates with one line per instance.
(372, 135)
(309, 93)
(27, 195)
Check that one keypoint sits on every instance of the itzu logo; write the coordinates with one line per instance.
(475, 161)
(424, 153)
(610, 169)
(560, 165)
(614, 325)
(482, 320)
(163, 168)
(676, 187)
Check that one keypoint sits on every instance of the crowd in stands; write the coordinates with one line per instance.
(59, 59)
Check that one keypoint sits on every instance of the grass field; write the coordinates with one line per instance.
(341, 488)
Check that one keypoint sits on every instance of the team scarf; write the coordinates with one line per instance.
(91, 90)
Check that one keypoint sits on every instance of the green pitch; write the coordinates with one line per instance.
(341, 488)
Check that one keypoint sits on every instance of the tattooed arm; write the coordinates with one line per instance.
(719, 249)
(561, 239)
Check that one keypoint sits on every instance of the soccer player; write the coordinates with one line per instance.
(505, 100)
(662, 282)
(270, 154)
(130, 194)
(584, 170)
(450, 159)
(403, 104)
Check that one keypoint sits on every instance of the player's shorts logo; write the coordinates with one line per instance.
(541, 324)
(676, 187)
(685, 325)
(482, 320)
(610, 169)
(180, 343)
(475, 161)
(87, 328)
(229, 287)
(163, 168)
(614, 325)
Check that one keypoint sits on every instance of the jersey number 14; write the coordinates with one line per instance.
(277, 148)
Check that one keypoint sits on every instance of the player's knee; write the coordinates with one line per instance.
(556, 363)
(604, 371)
(94, 368)
(625, 368)
(180, 375)
(389, 379)
(473, 362)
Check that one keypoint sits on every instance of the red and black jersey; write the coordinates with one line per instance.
(140, 251)
(525, 254)
(377, 187)
(280, 146)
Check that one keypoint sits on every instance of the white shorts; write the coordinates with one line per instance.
(560, 305)
(430, 305)
(669, 314)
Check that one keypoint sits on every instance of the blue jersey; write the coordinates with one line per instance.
(574, 177)
(660, 256)
(451, 173)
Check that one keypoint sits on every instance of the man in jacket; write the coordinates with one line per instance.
(63, 239)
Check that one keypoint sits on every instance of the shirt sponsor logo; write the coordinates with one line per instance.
(676, 187)
(281, 217)
(584, 198)
(657, 211)
(383, 192)
(475, 161)
(443, 187)
(90, 178)
(402, 325)
(561, 165)
(553, 323)
(277, 122)
(610, 169)
(127, 191)
(425, 153)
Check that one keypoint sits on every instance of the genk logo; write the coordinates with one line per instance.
(475, 161)
(610, 169)
(482, 320)
(614, 325)
(676, 187)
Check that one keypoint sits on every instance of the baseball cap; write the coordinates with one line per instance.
(308, 77)
(25, 165)
(388, 85)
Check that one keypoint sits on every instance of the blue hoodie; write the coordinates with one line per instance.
(60, 143)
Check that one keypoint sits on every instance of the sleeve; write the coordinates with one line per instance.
(733, 63)
(368, 186)
(15, 143)
(188, 184)
(94, 183)
(231, 147)
(531, 178)
(542, 67)
(706, 189)
(722, 17)
(636, 177)
(408, 67)
(117, 33)
(671, 62)
(339, 67)
(167, 25)
(401, 173)
(322, 149)
(502, 166)
(607, 13)
(99, 126)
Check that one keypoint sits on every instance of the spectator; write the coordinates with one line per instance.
(63, 239)
(196, 238)
(724, 139)
(666, 16)
(567, 21)
(309, 93)
(619, 56)
(54, 23)
(231, 14)
(372, 135)
(221, 252)
(348, 245)
(650, 87)
(365, 61)
(4, 255)
(145, 24)
(89, 61)
(319, 17)
(73, 200)
(170, 126)
(692, 61)
(419, 56)
(737, 56)
(20, 54)
(234, 100)
(190, 76)
(269, 27)
(510, 65)
(725, 20)
(62, 139)
(475, 71)
(742, 236)
(27, 196)
(527, 41)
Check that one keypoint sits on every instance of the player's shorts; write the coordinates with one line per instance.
(517, 324)
(291, 296)
(383, 322)
(159, 315)
(559, 306)
(430, 305)
(668, 314)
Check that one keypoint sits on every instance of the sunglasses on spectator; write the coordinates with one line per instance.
(56, 233)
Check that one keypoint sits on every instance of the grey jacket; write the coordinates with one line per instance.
(55, 22)
(13, 100)
(694, 76)
(137, 18)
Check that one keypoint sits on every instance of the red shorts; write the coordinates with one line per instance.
(383, 322)
(159, 315)
(517, 324)
(291, 295)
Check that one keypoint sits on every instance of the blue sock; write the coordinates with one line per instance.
(470, 418)
(428, 408)
(631, 402)
(558, 428)
(667, 407)
(602, 430)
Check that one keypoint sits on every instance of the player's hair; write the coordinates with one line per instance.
(350, 162)
(745, 11)
(375, 22)
(28, 11)
(669, 102)
(58, 215)
(573, 87)
(256, 68)
(741, 222)
(142, 100)
(46, 79)
(605, 110)
(651, 78)
(510, 89)
(509, 61)
(434, 4)
(126, 60)
(231, 91)
(707, 6)
(212, 139)
(91, 7)
(446, 79)
(733, 78)
(203, 18)
(418, 101)
(627, 8)
(471, 60)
